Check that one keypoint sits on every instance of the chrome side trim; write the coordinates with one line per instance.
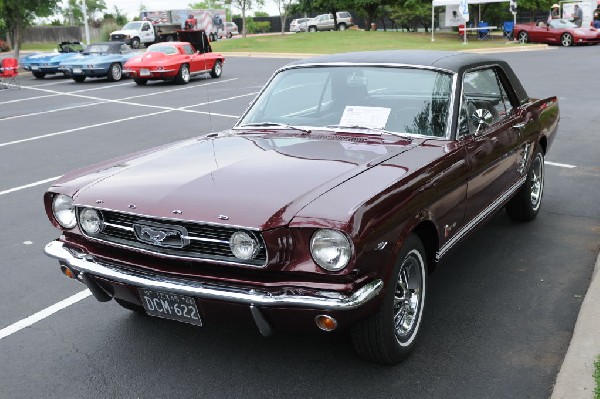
(477, 219)
(315, 299)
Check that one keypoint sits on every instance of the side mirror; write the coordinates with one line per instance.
(481, 119)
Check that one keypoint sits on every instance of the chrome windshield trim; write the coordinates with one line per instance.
(316, 299)
(477, 219)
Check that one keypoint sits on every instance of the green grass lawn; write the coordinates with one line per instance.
(337, 42)
(597, 378)
(353, 40)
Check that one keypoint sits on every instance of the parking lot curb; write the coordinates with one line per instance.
(575, 379)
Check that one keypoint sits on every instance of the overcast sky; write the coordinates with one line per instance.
(132, 7)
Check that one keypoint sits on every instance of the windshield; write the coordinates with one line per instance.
(162, 48)
(133, 25)
(100, 49)
(562, 23)
(395, 99)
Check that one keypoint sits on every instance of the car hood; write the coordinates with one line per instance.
(46, 58)
(251, 180)
(153, 57)
(91, 59)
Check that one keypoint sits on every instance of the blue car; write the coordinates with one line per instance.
(98, 60)
(42, 64)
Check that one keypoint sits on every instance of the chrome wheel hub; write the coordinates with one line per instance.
(407, 297)
(185, 74)
(537, 181)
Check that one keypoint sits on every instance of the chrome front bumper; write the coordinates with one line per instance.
(83, 263)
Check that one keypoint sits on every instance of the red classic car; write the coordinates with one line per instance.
(177, 61)
(557, 31)
(322, 208)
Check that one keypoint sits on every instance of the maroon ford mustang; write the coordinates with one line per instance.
(325, 207)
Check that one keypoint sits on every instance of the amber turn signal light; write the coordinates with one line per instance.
(326, 323)
(67, 272)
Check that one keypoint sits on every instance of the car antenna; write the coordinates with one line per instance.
(207, 48)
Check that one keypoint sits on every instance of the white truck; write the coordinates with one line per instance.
(161, 26)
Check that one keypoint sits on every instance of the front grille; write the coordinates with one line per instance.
(117, 38)
(203, 241)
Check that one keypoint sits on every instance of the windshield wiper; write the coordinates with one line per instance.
(373, 129)
(274, 124)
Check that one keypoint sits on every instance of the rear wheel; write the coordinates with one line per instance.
(312, 29)
(115, 72)
(39, 75)
(342, 26)
(79, 79)
(217, 69)
(525, 205)
(140, 82)
(229, 35)
(566, 39)
(389, 335)
(183, 76)
(523, 37)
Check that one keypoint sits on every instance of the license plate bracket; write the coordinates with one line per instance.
(144, 72)
(170, 306)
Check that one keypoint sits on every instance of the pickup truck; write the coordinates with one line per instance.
(137, 32)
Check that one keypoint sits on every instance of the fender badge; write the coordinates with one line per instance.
(223, 217)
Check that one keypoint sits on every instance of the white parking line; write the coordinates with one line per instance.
(42, 314)
(560, 165)
(37, 183)
(81, 128)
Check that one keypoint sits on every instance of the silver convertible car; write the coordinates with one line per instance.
(326, 206)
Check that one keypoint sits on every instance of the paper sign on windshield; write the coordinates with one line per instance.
(370, 117)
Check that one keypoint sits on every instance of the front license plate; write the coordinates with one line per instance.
(144, 72)
(76, 70)
(170, 306)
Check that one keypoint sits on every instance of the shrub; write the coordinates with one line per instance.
(263, 26)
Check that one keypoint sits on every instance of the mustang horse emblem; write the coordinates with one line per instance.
(157, 236)
(164, 236)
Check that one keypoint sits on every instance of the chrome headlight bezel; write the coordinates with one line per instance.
(91, 221)
(330, 249)
(64, 211)
(244, 245)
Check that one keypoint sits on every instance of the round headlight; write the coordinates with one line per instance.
(330, 249)
(243, 245)
(91, 221)
(64, 211)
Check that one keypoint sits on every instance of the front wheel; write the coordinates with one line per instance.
(217, 69)
(229, 35)
(135, 43)
(525, 205)
(566, 39)
(183, 76)
(389, 335)
(38, 74)
(115, 72)
(523, 37)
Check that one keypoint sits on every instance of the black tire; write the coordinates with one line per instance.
(389, 335)
(526, 203)
(523, 37)
(183, 76)
(39, 75)
(79, 79)
(342, 26)
(130, 306)
(312, 28)
(217, 69)
(140, 82)
(566, 39)
(115, 72)
(229, 35)
(135, 43)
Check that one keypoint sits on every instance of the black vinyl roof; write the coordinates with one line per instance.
(455, 62)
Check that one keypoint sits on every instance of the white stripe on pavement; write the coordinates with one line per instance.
(37, 183)
(42, 314)
(560, 165)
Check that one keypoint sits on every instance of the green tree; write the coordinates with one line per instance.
(18, 14)
(284, 7)
(244, 6)
(73, 12)
(411, 14)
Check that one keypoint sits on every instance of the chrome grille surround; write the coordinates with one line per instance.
(203, 241)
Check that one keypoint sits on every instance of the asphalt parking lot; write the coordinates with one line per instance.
(501, 309)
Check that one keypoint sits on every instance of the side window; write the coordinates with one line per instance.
(484, 101)
(187, 49)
